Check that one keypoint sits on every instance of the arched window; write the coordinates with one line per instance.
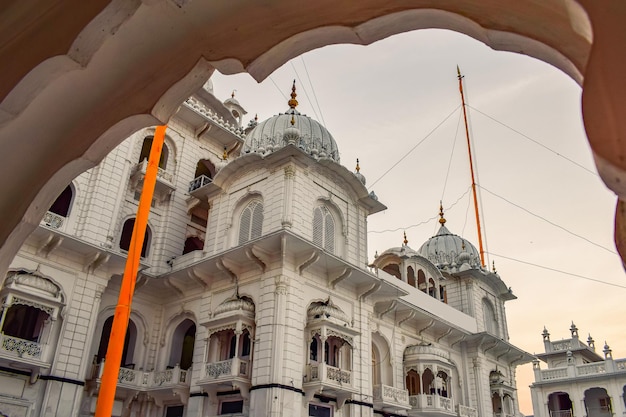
(410, 276)
(193, 243)
(245, 344)
(427, 381)
(127, 234)
(432, 288)
(129, 343)
(324, 229)
(63, 203)
(145, 152)
(24, 322)
(413, 382)
(421, 281)
(251, 222)
(489, 316)
(183, 341)
(313, 349)
(393, 269)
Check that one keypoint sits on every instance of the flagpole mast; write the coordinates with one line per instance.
(108, 384)
(469, 150)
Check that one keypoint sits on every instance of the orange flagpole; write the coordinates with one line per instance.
(469, 150)
(108, 384)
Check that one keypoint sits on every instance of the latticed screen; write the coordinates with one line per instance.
(251, 222)
(324, 229)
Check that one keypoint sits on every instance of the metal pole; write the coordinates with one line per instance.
(469, 150)
(106, 397)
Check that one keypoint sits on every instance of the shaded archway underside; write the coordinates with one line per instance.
(79, 77)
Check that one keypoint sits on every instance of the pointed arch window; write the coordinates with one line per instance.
(251, 222)
(324, 229)
(127, 234)
(145, 152)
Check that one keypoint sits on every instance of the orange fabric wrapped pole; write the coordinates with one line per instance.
(106, 397)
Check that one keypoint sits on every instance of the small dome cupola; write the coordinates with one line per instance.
(327, 310)
(447, 250)
(235, 304)
(293, 128)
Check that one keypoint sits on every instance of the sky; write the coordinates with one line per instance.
(547, 217)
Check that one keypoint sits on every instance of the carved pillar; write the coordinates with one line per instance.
(5, 307)
(290, 172)
(478, 380)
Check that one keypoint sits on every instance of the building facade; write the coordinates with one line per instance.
(254, 296)
(578, 380)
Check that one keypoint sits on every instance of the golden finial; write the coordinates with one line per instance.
(256, 117)
(232, 95)
(442, 221)
(225, 154)
(293, 120)
(405, 241)
(358, 168)
(293, 102)
(493, 264)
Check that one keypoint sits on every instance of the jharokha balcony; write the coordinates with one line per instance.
(391, 399)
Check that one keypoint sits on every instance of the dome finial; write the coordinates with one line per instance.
(442, 221)
(493, 264)
(358, 168)
(293, 103)
(232, 95)
(225, 154)
(256, 117)
(406, 242)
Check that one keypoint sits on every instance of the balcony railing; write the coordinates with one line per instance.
(199, 182)
(431, 402)
(21, 348)
(229, 368)
(53, 220)
(465, 411)
(561, 413)
(386, 396)
(588, 369)
(326, 373)
(147, 380)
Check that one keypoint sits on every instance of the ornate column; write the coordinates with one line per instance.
(478, 380)
(290, 172)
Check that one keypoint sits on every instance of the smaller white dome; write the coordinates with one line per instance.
(235, 303)
(358, 174)
(327, 310)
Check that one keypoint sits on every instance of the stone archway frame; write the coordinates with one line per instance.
(113, 67)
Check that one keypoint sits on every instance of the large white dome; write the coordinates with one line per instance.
(446, 249)
(294, 128)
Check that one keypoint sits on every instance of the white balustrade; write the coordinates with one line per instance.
(20, 348)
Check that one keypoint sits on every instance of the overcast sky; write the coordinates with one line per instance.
(540, 206)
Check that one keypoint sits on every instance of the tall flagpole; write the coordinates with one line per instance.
(469, 150)
(108, 384)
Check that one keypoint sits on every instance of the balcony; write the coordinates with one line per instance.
(53, 221)
(201, 187)
(600, 369)
(465, 411)
(390, 399)
(234, 371)
(330, 380)
(164, 182)
(431, 405)
(26, 353)
(165, 384)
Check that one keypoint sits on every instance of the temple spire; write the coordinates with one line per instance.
(442, 220)
(405, 241)
(293, 103)
(358, 168)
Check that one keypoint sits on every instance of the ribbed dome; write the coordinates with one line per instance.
(447, 249)
(295, 128)
(235, 303)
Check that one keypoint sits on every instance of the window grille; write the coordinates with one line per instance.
(251, 222)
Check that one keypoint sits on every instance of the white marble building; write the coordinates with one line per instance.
(255, 296)
(578, 380)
